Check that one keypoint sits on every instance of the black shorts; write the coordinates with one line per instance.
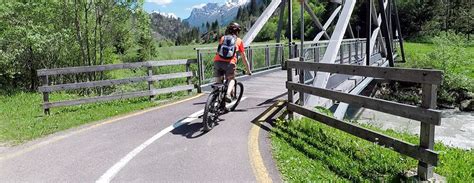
(226, 69)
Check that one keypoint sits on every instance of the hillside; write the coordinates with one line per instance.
(165, 27)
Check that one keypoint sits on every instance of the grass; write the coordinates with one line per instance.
(343, 156)
(22, 118)
(416, 51)
(179, 52)
(308, 151)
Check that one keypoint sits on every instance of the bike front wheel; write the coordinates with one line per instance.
(237, 95)
(210, 112)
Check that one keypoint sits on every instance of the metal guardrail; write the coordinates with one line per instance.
(260, 57)
(430, 80)
(270, 55)
(47, 88)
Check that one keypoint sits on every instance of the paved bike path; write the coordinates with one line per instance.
(184, 154)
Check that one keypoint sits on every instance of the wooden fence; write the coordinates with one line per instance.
(430, 80)
(46, 88)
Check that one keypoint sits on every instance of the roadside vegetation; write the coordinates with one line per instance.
(306, 150)
(449, 52)
(22, 118)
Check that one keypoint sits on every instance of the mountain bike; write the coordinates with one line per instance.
(216, 105)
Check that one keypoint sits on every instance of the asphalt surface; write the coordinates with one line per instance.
(185, 154)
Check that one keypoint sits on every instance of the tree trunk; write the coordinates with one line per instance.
(77, 23)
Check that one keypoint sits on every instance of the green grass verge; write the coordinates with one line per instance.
(417, 51)
(308, 151)
(179, 52)
(22, 118)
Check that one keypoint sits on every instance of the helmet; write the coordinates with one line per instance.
(234, 28)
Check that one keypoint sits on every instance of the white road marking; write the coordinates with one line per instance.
(111, 172)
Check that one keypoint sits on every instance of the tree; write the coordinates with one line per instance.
(51, 34)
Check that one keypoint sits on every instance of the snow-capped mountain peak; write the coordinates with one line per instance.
(233, 3)
(211, 12)
(168, 15)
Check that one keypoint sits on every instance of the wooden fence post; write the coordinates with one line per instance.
(45, 81)
(427, 131)
(199, 61)
(188, 79)
(203, 67)
(250, 58)
(289, 71)
(302, 81)
(150, 83)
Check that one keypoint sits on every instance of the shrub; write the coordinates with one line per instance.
(451, 56)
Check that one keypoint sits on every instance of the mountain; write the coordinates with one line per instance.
(167, 26)
(211, 12)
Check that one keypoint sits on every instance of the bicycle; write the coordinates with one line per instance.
(216, 105)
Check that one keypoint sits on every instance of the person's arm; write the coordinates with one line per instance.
(244, 57)
(246, 63)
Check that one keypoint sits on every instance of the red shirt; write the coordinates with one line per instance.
(240, 48)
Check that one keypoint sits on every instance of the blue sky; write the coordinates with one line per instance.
(180, 8)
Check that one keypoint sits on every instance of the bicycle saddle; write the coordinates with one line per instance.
(218, 86)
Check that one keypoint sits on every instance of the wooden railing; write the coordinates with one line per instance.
(430, 80)
(47, 88)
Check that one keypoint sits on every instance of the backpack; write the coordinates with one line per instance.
(228, 47)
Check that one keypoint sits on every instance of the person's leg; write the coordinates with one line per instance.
(218, 73)
(230, 87)
(218, 79)
(230, 76)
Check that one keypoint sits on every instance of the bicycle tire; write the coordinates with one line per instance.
(207, 120)
(238, 92)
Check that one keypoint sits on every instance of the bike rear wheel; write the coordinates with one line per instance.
(210, 112)
(237, 95)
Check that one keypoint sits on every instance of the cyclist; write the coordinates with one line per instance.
(226, 57)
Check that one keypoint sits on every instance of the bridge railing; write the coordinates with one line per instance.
(150, 78)
(352, 51)
(260, 57)
(270, 55)
(429, 79)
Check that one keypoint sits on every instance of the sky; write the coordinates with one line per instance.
(180, 8)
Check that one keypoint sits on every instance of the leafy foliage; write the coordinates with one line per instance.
(451, 55)
(50, 34)
(428, 18)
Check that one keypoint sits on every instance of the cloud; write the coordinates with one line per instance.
(160, 2)
(197, 6)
